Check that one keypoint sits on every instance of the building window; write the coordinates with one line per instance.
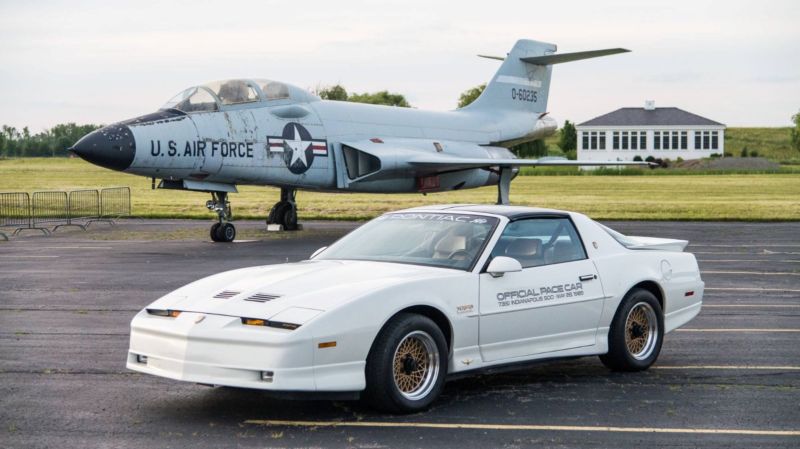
(594, 140)
(697, 143)
(602, 140)
(585, 140)
(657, 140)
(616, 140)
(665, 140)
(714, 140)
(684, 140)
(624, 140)
(634, 140)
(706, 140)
(643, 140)
(674, 140)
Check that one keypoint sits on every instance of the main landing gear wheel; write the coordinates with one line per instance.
(222, 231)
(637, 331)
(407, 365)
(284, 212)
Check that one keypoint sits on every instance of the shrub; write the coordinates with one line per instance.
(753, 153)
(679, 159)
(744, 152)
(717, 155)
(637, 158)
(727, 154)
(650, 159)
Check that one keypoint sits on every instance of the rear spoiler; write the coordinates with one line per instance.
(634, 242)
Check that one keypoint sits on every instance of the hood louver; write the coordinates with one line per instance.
(262, 297)
(226, 294)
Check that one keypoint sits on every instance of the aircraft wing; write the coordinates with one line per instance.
(440, 162)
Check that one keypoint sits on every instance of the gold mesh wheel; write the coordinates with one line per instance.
(641, 331)
(415, 365)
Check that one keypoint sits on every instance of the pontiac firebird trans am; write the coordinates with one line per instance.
(393, 308)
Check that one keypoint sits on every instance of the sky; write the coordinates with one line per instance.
(736, 62)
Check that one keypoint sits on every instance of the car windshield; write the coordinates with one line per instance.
(435, 239)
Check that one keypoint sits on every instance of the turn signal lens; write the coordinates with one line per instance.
(163, 312)
(277, 324)
(254, 322)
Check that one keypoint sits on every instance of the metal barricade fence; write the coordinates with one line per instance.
(49, 208)
(115, 202)
(15, 212)
(82, 205)
(20, 211)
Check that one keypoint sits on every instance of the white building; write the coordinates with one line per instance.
(664, 133)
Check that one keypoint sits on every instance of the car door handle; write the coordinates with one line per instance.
(587, 277)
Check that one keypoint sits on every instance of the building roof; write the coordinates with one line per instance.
(650, 117)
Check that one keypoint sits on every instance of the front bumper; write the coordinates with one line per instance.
(219, 350)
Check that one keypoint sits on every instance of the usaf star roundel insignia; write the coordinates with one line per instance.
(298, 147)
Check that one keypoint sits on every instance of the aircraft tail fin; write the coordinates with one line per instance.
(523, 80)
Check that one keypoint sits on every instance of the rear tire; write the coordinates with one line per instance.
(636, 334)
(407, 365)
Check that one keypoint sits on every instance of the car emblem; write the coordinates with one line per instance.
(199, 319)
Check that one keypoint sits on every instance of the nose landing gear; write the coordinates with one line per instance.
(284, 212)
(223, 231)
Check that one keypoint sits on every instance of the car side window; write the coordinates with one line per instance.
(540, 241)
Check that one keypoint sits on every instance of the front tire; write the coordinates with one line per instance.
(407, 365)
(636, 334)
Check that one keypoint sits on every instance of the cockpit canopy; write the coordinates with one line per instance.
(215, 95)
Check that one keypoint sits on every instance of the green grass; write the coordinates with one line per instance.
(664, 197)
(771, 143)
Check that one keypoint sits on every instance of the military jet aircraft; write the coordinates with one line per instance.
(210, 138)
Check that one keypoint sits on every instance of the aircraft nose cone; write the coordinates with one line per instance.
(111, 147)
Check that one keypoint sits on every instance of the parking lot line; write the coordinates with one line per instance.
(429, 425)
(750, 289)
(767, 245)
(760, 273)
(728, 367)
(737, 330)
(746, 260)
(706, 306)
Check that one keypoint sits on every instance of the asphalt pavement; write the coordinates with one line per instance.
(730, 378)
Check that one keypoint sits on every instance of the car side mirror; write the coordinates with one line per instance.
(501, 265)
(316, 253)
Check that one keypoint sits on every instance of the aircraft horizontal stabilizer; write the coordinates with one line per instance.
(569, 57)
(448, 163)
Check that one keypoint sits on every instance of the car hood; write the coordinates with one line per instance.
(295, 291)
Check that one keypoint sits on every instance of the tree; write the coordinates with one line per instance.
(568, 139)
(796, 132)
(50, 142)
(744, 152)
(470, 95)
(530, 150)
(382, 97)
(336, 92)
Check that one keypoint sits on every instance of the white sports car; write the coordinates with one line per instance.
(401, 303)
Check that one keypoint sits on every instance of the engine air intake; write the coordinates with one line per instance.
(359, 163)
